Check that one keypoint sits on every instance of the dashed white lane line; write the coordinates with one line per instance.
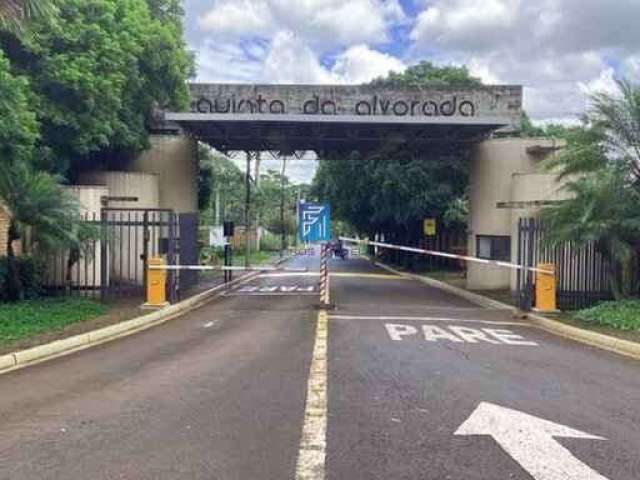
(312, 452)
(425, 319)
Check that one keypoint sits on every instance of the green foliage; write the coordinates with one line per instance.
(600, 168)
(30, 270)
(551, 130)
(18, 126)
(29, 318)
(167, 11)
(37, 202)
(218, 173)
(225, 177)
(270, 242)
(624, 315)
(426, 74)
(392, 191)
(272, 187)
(97, 69)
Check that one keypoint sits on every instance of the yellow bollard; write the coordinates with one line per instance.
(546, 288)
(156, 284)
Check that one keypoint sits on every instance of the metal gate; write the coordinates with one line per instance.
(114, 265)
(130, 236)
(581, 271)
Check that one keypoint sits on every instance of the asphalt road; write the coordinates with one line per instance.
(420, 385)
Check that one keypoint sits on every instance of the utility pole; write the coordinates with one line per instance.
(247, 210)
(299, 197)
(283, 244)
(256, 182)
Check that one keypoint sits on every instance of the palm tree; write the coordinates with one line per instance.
(13, 13)
(601, 170)
(37, 203)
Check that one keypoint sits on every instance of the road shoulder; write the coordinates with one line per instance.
(48, 351)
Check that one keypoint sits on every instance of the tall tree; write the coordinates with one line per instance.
(601, 170)
(426, 74)
(98, 69)
(18, 125)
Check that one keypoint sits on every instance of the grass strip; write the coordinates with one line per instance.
(28, 318)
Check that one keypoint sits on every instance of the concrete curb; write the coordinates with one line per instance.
(594, 339)
(588, 337)
(41, 353)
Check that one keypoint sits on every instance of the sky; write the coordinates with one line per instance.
(559, 50)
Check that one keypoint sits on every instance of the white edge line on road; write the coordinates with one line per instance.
(312, 452)
(425, 319)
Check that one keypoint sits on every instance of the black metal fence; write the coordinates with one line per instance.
(113, 263)
(581, 272)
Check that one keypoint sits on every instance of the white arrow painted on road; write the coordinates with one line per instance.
(529, 440)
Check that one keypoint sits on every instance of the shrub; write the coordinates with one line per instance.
(623, 314)
(270, 242)
(211, 255)
(31, 271)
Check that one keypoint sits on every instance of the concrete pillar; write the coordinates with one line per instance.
(173, 158)
(506, 171)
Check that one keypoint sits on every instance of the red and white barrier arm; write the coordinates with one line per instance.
(483, 261)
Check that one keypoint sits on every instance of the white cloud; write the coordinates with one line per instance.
(323, 24)
(468, 24)
(631, 67)
(291, 61)
(560, 50)
(226, 62)
(604, 83)
(287, 59)
(237, 17)
(360, 64)
(299, 170)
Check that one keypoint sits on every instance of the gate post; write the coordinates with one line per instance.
(104, 256)
(156, 293)
(546, 288)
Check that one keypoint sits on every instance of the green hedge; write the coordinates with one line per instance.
(31, 272)
(624, 314)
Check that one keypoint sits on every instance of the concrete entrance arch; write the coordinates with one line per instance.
(342, 119)
(339, 117)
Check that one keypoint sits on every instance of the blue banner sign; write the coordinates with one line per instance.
(314, 222)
